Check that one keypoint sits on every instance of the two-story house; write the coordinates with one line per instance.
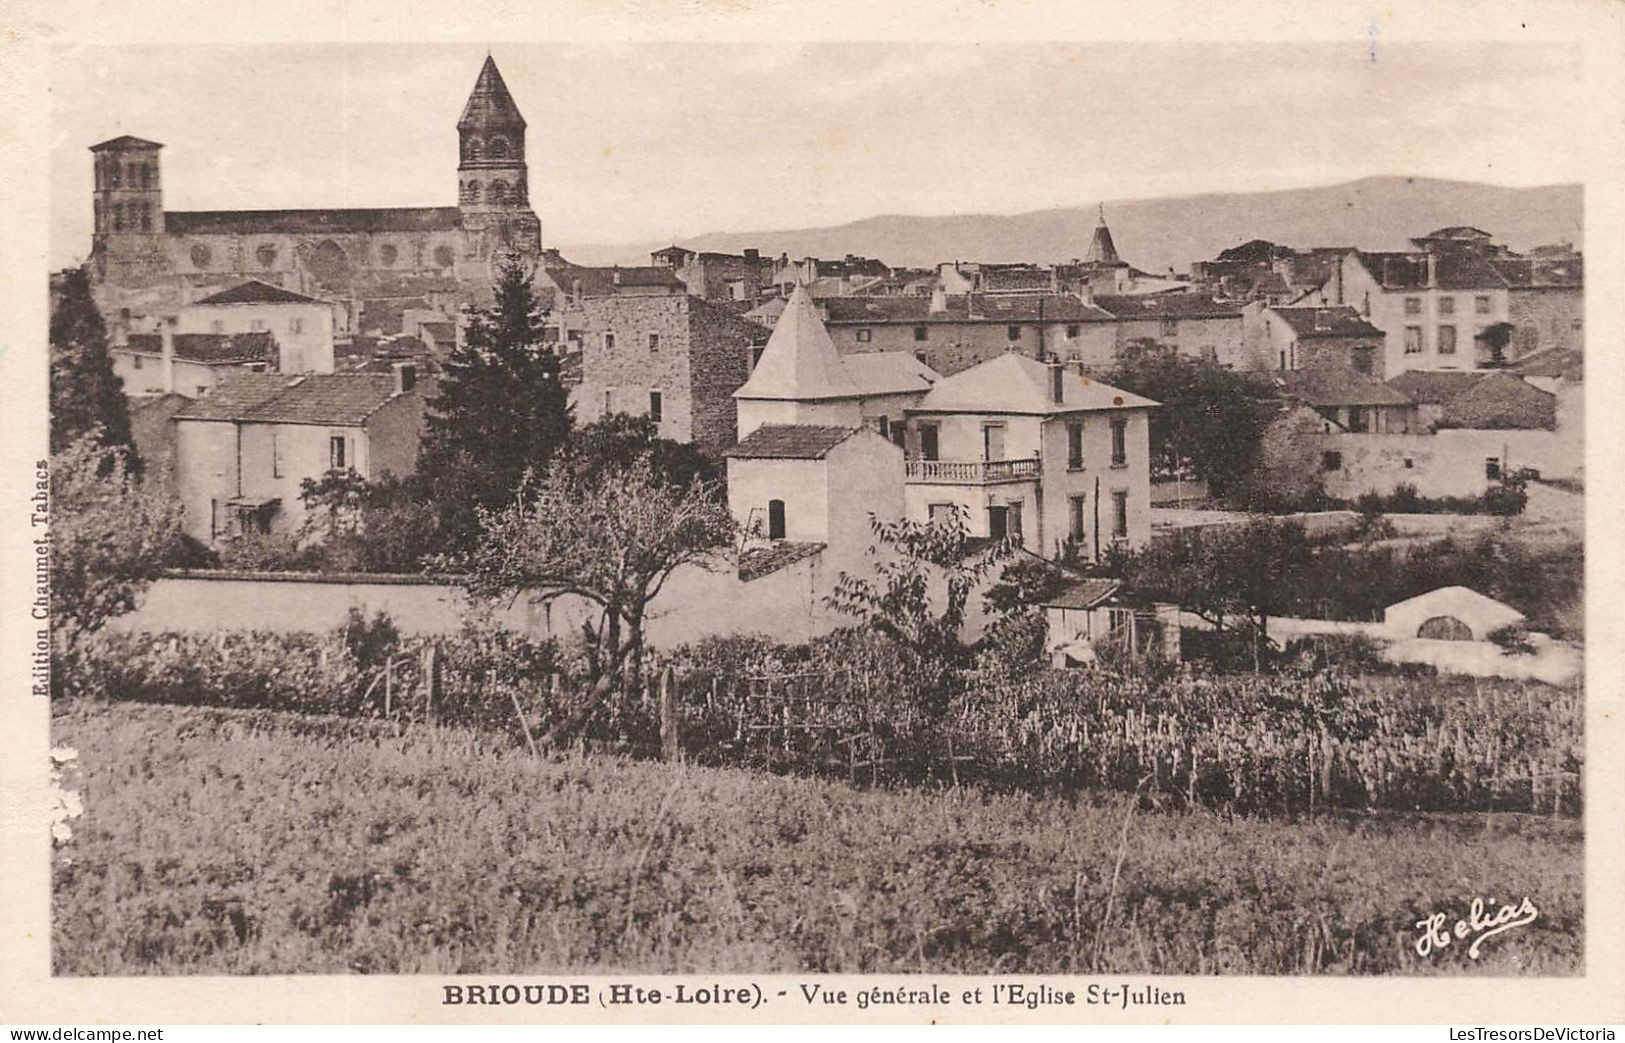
(1035, 452)
(243, 451)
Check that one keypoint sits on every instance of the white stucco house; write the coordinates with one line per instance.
(1021, 448)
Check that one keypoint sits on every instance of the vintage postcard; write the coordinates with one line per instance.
(783, 513)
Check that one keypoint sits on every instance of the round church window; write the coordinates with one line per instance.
(388, 254)
(266, 255)
(444, 257)
(201, 256)
(498, 147)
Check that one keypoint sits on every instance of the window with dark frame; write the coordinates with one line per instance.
(654, 342)
(656, 406)
(775, 519)
(920, 333)
(1074, 446)
(863, 335)
(1078, 527)
(337, 454)
(1119, 443)
(1120, 514)
(1013, 333)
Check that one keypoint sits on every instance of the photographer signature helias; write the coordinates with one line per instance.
(1480, 924)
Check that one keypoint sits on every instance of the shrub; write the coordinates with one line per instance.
(1354, 653)
(1513, 639)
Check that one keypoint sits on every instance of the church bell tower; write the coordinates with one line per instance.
(492, 180)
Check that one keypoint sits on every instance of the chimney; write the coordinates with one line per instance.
(1057, 385)
(166, 336)
(406, 377)
(752, 255)
(617, 276)
(939, 300)
(1323, 321)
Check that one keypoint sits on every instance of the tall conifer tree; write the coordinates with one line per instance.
(500, 410)
(85, 392)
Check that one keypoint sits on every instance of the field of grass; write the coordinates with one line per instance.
(238, 842)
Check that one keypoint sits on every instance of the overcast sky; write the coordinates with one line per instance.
(646, 142)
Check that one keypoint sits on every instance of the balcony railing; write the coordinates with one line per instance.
(970, 472)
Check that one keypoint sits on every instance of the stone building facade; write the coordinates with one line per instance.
(676, 359)
(145, 257)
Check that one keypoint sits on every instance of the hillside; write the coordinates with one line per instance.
(1378, 213)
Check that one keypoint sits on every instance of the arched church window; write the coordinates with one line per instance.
(114, 171)
(518, 195)
(472, 191)
(499, 192)
(265, 255)
(328, 262)
(443, 256)
(498, 147)
(146, 175)
(473, 145)
(201, 256)
(146, 218)
(388, 254)
(118, 217)
(135, 174)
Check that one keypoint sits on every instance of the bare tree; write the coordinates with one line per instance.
(612, 537)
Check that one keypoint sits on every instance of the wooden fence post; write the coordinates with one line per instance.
(671, 747)
(431, 678)
(389, 684)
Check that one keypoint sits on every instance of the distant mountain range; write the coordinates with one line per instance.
(1376, 213)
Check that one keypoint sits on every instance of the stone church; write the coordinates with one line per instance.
(144, 257)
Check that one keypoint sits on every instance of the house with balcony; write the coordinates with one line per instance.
(1035, 452)
(1021, 448)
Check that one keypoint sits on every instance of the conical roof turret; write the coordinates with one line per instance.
(490, 105)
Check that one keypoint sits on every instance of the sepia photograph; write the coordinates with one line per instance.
(1065, 510)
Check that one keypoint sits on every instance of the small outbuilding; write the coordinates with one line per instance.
(1449, 614)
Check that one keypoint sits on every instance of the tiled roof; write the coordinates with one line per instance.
(721, 320)
(1326, 322)
(1340, 387)
(1006, 280)
(962, 308)
(124, 141)
(1553, 362)
(789, 442)
(1467, 232)
(1086, 593)
(1014, 383)
(606, 282)
(1499, 402)
(757, 562)
(1456, 269)
(389, 219)
(210, 348)
(1167, 306)
(273, 398)
(1433, 387)
(1541, 272)
(888, 372)
(255, 292)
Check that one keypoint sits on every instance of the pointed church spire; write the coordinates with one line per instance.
(800, 362)
(490, 105)
(1101, 248)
